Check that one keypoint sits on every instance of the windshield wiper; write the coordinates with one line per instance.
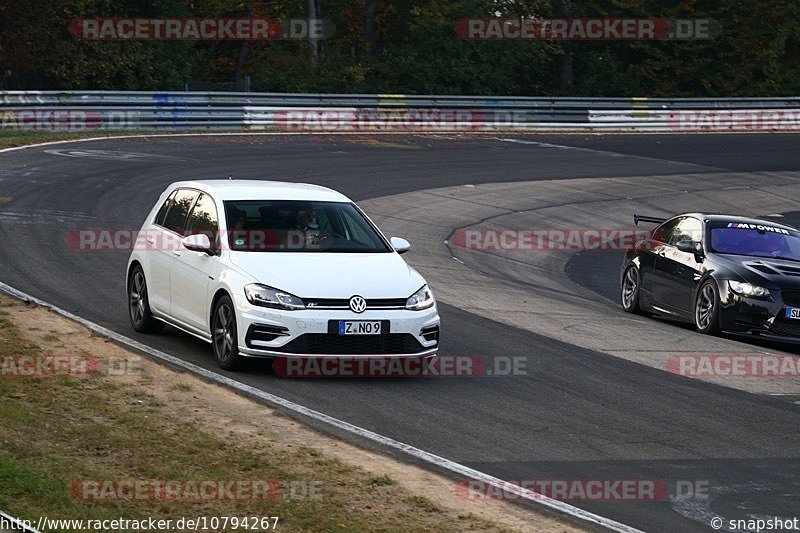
(795, 259)
(787, 258)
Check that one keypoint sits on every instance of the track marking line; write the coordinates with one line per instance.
(419, 133)
(271, 399)
(599, 152)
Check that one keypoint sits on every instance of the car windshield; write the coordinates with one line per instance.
(300, 226)
(757, 240)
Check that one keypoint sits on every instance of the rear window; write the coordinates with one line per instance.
(162, 212)
(179, 210)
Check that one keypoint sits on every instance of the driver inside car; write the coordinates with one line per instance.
(306, 228)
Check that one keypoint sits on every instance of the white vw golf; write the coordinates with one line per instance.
(271, 269)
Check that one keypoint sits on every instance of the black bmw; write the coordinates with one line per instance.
(722, 273)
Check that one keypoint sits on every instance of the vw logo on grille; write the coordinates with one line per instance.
(358, 304)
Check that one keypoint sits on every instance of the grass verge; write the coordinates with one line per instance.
(143, 422)
(14, 138)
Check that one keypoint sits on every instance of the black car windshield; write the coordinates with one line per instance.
(757, 240)
(300, 226)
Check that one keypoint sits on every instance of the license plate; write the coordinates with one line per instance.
(359, 327)
(793, 312)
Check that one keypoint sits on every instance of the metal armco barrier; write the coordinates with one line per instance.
(220, 111)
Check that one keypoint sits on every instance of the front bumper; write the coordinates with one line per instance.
(265, 332)
(762, 317)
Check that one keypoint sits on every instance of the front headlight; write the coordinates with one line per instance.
(422, 299)
(748, 289)
(264, 296)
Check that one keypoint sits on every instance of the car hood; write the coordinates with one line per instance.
(331, 275)
(764, 271)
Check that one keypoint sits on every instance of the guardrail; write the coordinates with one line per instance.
(222, 111)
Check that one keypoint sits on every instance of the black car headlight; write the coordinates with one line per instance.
(422, 299)
(748, 289)
(265, 296)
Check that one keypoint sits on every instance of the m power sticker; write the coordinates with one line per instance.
(757, 227)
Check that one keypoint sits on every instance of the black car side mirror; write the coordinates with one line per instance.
(690, 247)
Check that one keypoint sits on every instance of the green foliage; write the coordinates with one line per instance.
(755, 54)
(413, 49)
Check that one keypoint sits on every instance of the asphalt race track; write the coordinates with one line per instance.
(576, 414)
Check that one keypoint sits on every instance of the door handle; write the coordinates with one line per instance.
(151, 240)
(662, 253)
(176, 253)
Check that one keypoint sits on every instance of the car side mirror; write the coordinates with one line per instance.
(198, 243)
(690, 247)
(400, 245)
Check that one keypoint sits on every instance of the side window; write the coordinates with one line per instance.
(664, 232)
(356, 231)
(179, 210)
(688, 229)
(162, 213)
(204, 218)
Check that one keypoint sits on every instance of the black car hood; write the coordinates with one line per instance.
(763, 271)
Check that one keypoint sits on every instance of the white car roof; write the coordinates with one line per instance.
(234, 189)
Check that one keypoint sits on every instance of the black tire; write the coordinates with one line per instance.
(142, 319)
(706, 308)
(631, 281)
(224, 335)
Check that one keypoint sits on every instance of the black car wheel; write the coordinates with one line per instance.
(706, 308)
(630, 291)
(142, 319)
(225, 341)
